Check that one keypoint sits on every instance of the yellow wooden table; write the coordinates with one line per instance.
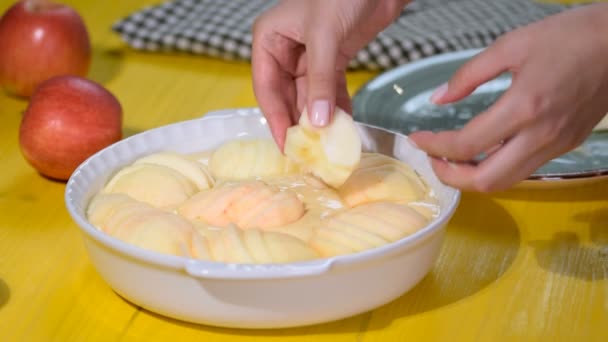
(516, 266)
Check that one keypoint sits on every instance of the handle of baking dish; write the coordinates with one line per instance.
(213, 270)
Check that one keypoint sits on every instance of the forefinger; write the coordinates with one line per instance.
(483, 132)
(274, 89)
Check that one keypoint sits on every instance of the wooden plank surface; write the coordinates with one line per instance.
(521, 265)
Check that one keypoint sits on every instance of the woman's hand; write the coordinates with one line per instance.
(559, 92)
(301, 49)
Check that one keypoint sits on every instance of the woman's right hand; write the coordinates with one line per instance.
(301, 50)
(558, 94)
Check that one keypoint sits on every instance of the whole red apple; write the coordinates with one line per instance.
(68, 119)
(40, 39)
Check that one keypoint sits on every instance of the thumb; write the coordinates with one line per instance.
(321, 58)
(484, 67)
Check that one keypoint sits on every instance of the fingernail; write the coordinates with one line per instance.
(439, 93)
(320, 113)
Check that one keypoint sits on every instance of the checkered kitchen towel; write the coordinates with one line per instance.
(222, 28)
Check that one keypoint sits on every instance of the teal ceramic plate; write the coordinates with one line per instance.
(399, 100)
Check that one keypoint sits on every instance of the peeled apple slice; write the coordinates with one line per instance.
(103, 207)
(253, 204)
(285, 248)
(144, 226)
(158, 231)
(254, 246)
(248, 159)
(230, 247)
(331, 153)
(365, 227)
(159, 186)
(381, 178)
(194, 171)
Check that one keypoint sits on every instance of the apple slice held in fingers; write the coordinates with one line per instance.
(332, 153)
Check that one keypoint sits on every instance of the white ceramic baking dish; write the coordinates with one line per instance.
(253, 296)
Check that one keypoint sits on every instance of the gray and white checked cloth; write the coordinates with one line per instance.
(222, 28)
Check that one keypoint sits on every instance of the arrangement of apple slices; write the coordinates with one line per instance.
(158, 230)
(332, 153)
(254, 205)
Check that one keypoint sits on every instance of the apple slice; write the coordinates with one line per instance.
(371, 238)
(210, 206)
(145, 226)
(349, 241)
(236, 250)
(248, 205)
(160, 186)
(119, 215)
(330, 247)
(365, 227)
(158, 231)
(382, 178)
(103, 206)
(255, 244)
(331, 153)
(200, 247)
(281, 208)
(340, 140)
(401, 219)
(285, 248)
(194, 171)
(248, 159)
(259, 247)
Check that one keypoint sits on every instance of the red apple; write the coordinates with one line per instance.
(68, 119)
(40, 39)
